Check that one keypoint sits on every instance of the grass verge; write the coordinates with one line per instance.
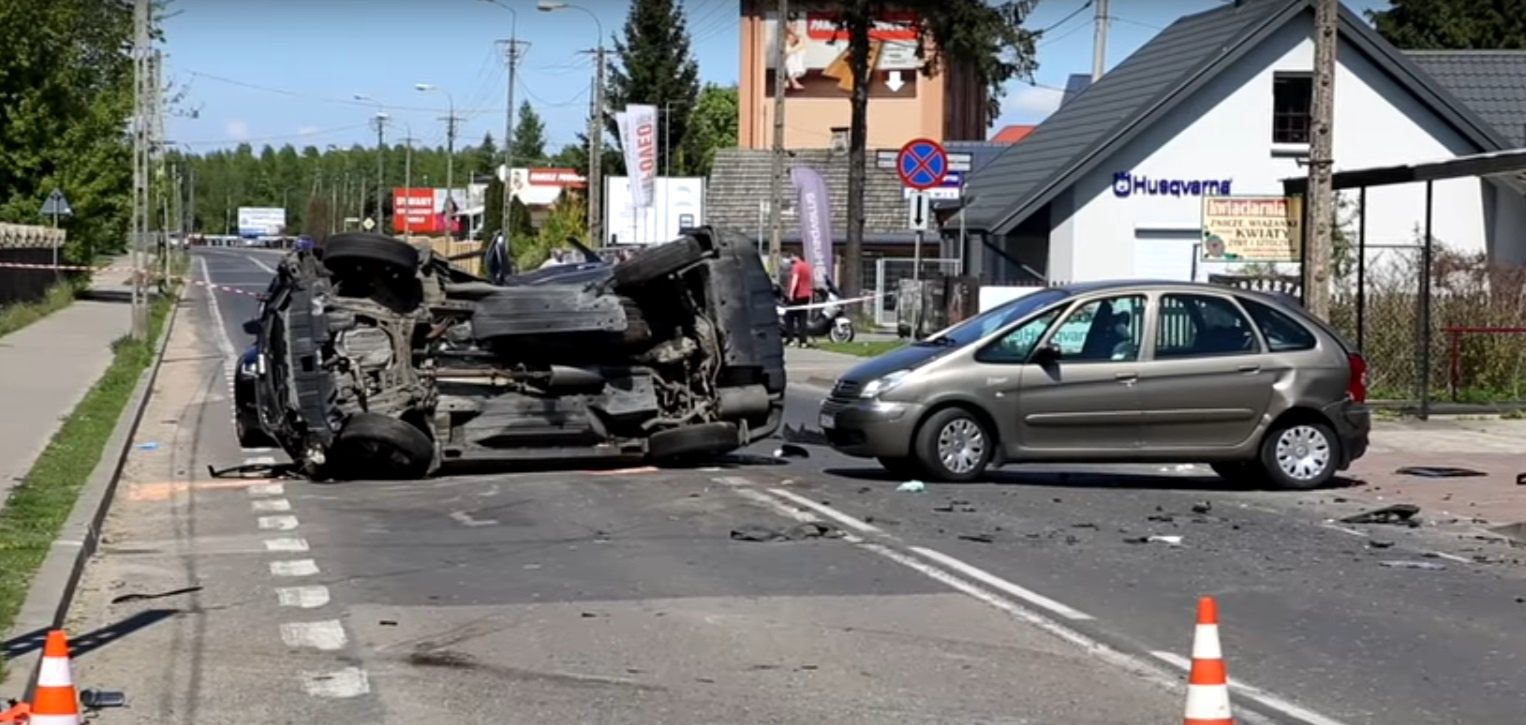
(17, 316)
(38, 507)
(863, 348)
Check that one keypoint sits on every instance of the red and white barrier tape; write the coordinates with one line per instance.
(833, 303)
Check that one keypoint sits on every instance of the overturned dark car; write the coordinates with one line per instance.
(373, 359)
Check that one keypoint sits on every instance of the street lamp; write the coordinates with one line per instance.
(595, 123)
(381, 123)
(450, 140)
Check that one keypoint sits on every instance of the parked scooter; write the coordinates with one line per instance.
(827, 321)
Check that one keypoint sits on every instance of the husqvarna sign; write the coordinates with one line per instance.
(1127, 183)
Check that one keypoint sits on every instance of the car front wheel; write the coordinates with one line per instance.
(953, 445)
(1300, 456)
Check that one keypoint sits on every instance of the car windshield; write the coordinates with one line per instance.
(994, 319)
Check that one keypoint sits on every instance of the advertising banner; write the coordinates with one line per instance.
(816, 55)
(1252, 229)
(261, 221)
(638, 134)
(815, 221)
(422, 211)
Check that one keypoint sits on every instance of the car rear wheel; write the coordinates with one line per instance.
(953, 445)
(250, 434)
(658, 262)
(1300, 455)
(342, 249)
(379, 447)
(693, 441)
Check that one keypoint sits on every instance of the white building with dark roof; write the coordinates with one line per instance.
(1112, 185)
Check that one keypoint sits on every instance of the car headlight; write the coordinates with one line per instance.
(883, 384)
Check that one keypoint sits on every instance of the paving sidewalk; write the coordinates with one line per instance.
(816, 368)
(48, 367)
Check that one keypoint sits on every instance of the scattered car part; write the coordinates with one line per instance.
(1401, 513)
(1438, 472)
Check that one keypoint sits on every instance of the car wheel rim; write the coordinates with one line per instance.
(961, 445)
(1303, 452)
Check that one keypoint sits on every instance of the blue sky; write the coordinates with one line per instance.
(286, 71)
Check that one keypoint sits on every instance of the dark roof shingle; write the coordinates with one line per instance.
(740, 179)
(1491, 82)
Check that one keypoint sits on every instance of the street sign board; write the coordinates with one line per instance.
(957, 160)
(922, 163)
(261, 221)
(56, 204)
(918, 211)
(368, 224)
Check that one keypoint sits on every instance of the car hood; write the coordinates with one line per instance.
(902, 358)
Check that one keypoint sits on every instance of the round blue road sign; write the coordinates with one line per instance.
(922, 163)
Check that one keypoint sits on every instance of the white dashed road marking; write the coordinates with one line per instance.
(990, 579)
(267, 489)
(278, 523)
(298, 567)
(267, 505)
(827, 511)
(286, 544)
(348, 682)
(305, 597)
(327, 635)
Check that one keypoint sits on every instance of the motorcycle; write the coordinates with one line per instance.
(826, 321)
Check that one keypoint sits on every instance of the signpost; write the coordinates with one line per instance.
(921, 164)
(56, 206)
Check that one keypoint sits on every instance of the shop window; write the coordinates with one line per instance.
(1292, 99)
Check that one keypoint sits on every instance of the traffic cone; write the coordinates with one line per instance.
(17, 713)
(1208, 685)
(54, 701)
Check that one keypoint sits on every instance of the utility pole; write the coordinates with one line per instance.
(596, 151)
(512, 50)
(1099, 40)
(141, 45)
(407, 180)
(381, 215)
(1321, 195)
(776, 186)
(450, 169)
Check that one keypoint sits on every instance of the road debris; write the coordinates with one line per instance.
(790, 450)
(954, 506)
(911, 487)
(1380, 543)
(149, 446)
(977, 538)
(1202, 507)
(1170, 540)
(1400, 514)
(1438, 472)
(1162, 518)
(808, 436)
(798, 532)
(1408, 564)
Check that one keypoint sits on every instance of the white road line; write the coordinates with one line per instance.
(267, 489)
(827, 511)
(466, 519)
(990, 579)
(804, 517)
(267, 505)
(286, 544)
(1345, 530)
(224, 343)
(310, 597)
(277, 523)
(261, 265)
(295, 567)
(327, 635)
(1255, 693)
(348, 682)
(1452, 557)
(260, 461)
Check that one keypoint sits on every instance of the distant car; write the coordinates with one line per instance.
(1126, 372)
(376, 360)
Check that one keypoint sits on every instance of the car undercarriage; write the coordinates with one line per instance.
(375, 360)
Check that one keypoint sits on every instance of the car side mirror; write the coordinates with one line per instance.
(252, 327)
(1046, 356)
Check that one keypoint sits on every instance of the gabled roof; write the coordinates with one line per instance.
(1151, 82)
(740, 179)
(1491, 82)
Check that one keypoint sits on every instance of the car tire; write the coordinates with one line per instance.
(250, 434)
(693, 441)
(657, 262)
(373, 446)
(953, 445)
(341, 249)
(901, 467)
(1300, 456)
(1244, 473)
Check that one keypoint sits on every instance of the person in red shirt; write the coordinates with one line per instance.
(801, 282)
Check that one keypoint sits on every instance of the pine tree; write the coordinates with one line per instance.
(529, 137)
(654, 66)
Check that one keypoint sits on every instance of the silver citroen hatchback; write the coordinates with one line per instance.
(1114, 372)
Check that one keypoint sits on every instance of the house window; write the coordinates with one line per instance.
(1292, 97)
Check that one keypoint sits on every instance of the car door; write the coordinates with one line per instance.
(998, 372)
(1077, 392)
(1207, 383)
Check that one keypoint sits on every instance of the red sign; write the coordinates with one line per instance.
(921, 164)
(420, 211)
(558, 177)
(892, 26)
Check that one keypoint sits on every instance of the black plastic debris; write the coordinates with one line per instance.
(1137, 540)
(1380, 543)
(138, 597)
(1202, 508)
(977, 538)
(1420, 565)
(1399, 513)
(102, 699)
(755, 532)
(1438, 472)
(808, 436)
(1520, 479)
(798, 532)
(1162, 518)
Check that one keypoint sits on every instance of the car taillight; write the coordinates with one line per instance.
(1356, 387)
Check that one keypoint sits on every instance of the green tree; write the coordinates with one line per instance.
(968, 35)
(1453, 24)
(712, 125)
(484, 156)
(492, 213)
(653, 66)
(529, 137)
(566, 219)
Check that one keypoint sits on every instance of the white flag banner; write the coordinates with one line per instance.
(638, 134)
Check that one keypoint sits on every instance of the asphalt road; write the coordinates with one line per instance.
(620, 596)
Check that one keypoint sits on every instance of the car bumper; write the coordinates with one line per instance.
(1353, 425)
(870, 428)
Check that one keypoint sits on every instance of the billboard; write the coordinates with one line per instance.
(677, 202)
(422, 211)
(1252, 228)
(816, 55)
(638, 134)
(261, 221)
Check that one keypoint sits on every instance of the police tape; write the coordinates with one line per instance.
(129, 268)
(834, 303)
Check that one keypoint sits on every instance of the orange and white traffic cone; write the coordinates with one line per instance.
(17, 713)
(1208, 685)
(54, 701)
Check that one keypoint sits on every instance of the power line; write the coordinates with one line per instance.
(1069, 17)
(1062, 36)
(1126, 21)
(574, 99)
(283, 137)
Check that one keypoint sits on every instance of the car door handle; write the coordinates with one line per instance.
(1126, 377)
(1249, 368)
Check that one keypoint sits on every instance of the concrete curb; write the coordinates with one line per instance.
(52, 589)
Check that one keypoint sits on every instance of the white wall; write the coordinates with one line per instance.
(1225, 132)
(676, 199)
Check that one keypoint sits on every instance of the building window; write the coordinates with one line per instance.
(1292, 99)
